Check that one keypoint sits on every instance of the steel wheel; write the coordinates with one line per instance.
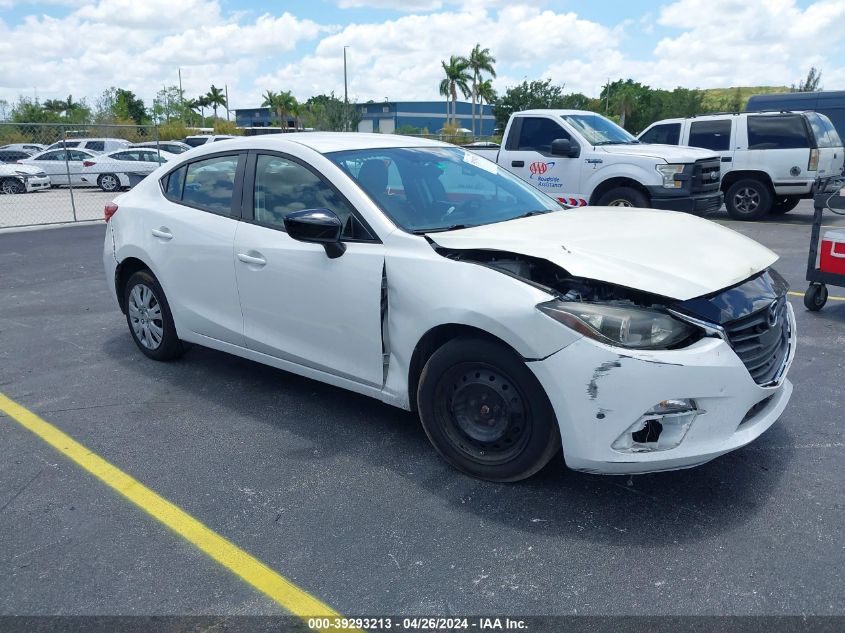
(482, 412)
(12, 186)
(620, 202)
(109, 182)
(145, 316)
(746, 200)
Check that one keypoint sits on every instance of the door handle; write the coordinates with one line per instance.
(255, 260)
(726, 159)
(517, 163)
(163, 233)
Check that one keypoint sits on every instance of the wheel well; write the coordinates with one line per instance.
(433, 340)
(124, 271)
(733, 176)
(612, 183)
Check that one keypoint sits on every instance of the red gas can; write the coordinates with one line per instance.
(832, 252)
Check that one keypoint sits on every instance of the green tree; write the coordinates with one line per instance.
(525, 96)
(457, 78)
(216, 99)
(480, 61)
(169, 105)
(283, 105)
(117, 104)
(327, 112)
(487, 93)
(810, 83)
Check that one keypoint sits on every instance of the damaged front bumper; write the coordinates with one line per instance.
(599, 393)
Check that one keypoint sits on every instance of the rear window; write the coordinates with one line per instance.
(664, 134)
(823, 130)
(777, 132)
(196, 141)
(95, 146)
(715, 135)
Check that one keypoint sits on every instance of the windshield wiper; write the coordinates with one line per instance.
(441, 229)
(528, 214)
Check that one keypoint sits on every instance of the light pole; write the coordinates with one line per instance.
(345, 95)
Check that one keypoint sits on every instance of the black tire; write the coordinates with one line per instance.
(748, 199)
(485, 412)
(168, 346)
(109, 182)
(815, 297)
(11, 186)
(784, 204)
(623, 197)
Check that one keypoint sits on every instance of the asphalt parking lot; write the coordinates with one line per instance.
(343, 495)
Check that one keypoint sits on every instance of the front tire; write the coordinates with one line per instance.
(485, 412)
(149, 318)
(109, 182)
(11, 186)
(748, 199)
(623, 197)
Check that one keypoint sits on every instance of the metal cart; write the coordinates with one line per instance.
(826, 198)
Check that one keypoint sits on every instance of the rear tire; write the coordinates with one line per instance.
(12, 186)
(748, 199)
(623, 197)
(784, 204)
(485, 412)
(109, 183)
(149, 318)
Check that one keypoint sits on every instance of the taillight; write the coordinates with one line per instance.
(88, 163)
(109, 211)
(814, 160)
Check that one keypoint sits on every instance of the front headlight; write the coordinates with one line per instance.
(668, 172)
(631, 327)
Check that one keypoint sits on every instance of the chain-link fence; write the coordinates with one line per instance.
(56, 173)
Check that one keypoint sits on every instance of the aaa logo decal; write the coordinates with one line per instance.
(538, 168)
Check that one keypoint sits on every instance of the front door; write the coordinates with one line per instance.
(298, 304)
(528, 155)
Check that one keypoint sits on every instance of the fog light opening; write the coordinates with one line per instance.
(661, 428)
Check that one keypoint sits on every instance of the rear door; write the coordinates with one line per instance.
(779, 144)
(190, 236)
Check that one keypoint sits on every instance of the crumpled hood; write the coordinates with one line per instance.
(671, 254)
(14, 169)
(669, 153)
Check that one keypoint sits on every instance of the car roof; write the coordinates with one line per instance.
(555, 112)
(322, 142)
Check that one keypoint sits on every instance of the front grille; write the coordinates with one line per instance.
(703, 179)
(762, 347)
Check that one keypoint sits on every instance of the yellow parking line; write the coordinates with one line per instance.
(230, 556)
(829, 298)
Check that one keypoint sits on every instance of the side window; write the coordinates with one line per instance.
(664, 134)
(715, 135)
(823, 130)
(123, 156)
(210, 184)
(95, 146)
(59, 155)
(283, 186)
(175, 184)
(75, 154)
(538, 133)
(777, 132)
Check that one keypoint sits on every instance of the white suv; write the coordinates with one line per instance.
(770, 160)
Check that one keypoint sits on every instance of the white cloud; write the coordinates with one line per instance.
(396, 5)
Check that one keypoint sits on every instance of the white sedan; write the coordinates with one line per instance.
(425, 276)
(17, 178)
(63, 166)
(117, 170)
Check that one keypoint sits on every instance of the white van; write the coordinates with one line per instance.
(770, 160)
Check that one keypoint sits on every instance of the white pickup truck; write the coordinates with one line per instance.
(582, 158)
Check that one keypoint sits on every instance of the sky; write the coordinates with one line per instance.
(55, 48)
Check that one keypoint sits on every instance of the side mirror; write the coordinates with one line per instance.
(317, 226)
(564, 147)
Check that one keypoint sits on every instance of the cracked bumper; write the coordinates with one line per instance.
(598, 392)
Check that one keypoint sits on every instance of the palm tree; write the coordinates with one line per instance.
(192, 106)
(202, 103)
(457, 78)
(283, 104)
(487, 93)
(216, 98)
(480, 60)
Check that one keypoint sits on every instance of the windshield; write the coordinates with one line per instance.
(598, 130)
(424, 189)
